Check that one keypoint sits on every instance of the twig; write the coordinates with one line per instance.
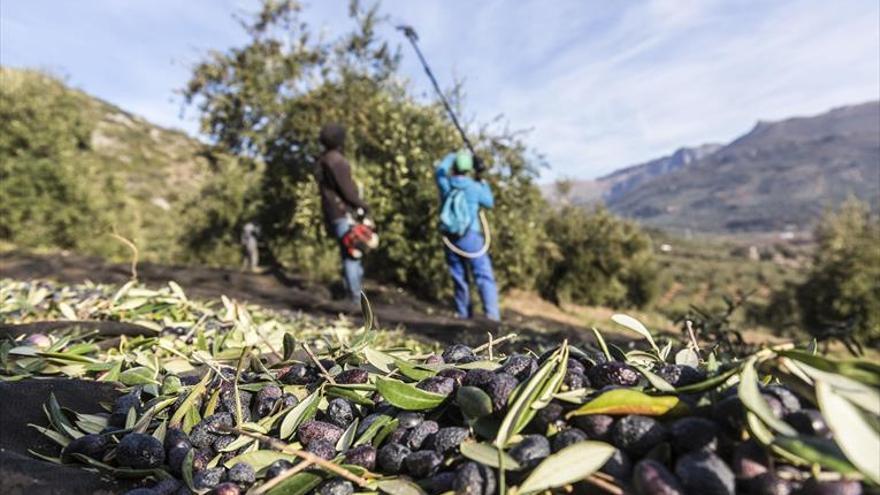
(134, 252)
(494, 342)
(490, 345)
(318, 363)
(693, 336)
(305, 455)
(609, 487)
(238, 413)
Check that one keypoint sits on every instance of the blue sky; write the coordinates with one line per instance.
(600, 84)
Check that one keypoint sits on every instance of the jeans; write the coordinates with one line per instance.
(352, 269)
(481, 268)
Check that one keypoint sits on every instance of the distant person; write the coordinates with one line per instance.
(461, 198)
(250, 234)
(342, 204)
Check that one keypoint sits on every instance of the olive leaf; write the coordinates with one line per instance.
(52, 434)
(298, 484)
(259, 459)
(863, 371)
(709, 383)
(347, 437)
(58, 419)
(186, 468)
(399, 486)
(350, 394)
(751, 397)
(412, 371)
(379, 359)
(301, 412)
(406, 396)
(636, 326)
(288, 346)
(189, 403)
(386, 430)
(373, 429)
(854, 435)
(655, 380)
(473, 402)
(815, 450)
(520, 410)
(602, 344)
(628, 401)
(367, 310)
(687, 357)
(487, 454)
(569, 465)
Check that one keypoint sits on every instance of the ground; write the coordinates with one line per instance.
(533, 320)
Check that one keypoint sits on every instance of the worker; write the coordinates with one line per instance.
(461, 197)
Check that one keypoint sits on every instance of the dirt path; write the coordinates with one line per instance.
(285, 291)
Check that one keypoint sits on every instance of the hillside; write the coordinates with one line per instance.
(779, 176)
(152, 170)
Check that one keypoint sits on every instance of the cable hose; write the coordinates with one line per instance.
(480, 252)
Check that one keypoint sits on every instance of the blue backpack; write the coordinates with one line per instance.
(455, 215)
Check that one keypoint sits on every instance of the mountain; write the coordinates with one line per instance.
(778, 176)
(155, 171)
(614, 185)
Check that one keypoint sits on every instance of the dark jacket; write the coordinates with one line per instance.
(339, 193)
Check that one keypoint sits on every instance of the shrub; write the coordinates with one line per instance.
(841, 295)
(598, 259)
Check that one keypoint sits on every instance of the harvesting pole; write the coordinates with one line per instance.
(413, 38)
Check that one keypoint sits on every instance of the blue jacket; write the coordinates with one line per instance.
(477, 193)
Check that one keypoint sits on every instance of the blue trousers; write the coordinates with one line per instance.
(481, 268)
(352, 269)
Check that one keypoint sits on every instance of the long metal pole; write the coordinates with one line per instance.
(411, 35)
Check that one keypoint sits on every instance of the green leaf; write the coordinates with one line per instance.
(687, 357)
(413, 371)
(487, 454)
(301, 412)
(189, 403)
(708, 383)
(569, 465)
(751, 397)
(186, 468)
(288, 346)
(636, 326)
(473, 402)
(623, 401)
(862, 371)
(372, 430)
(602, 344)
(59, 420)
(479, 365)
(379, 359)
(52, 434)
(347, 437)
(520, 406)
(259, 459)
(298, 484)
(350, 394)
(854, 435)
(655, 380)
(816, 450)
(399, 486)
(384, 432)
(864, 396)
(367, 311)
(406, 396)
